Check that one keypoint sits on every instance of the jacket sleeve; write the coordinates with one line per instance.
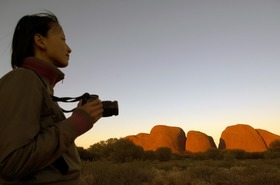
(26, 147)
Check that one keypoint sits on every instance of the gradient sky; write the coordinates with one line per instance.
(197, 64)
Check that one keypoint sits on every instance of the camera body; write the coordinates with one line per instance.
(111, 108)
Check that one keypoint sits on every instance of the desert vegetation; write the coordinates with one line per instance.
(121, 162)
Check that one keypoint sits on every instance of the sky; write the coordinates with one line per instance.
(195, 64)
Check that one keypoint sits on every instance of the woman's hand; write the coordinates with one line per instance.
(93, 108)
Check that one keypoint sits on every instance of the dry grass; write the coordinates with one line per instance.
(182, 172)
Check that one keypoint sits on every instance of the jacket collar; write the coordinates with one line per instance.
(45, 70)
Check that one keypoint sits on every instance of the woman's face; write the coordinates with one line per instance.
(57, 51)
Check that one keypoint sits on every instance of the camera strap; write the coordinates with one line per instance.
(70, 100)
(84, 97)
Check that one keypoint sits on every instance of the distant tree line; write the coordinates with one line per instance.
(123, 150)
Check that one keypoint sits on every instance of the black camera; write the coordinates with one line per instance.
(111, 108)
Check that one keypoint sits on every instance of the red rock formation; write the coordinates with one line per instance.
(238, 136)
(141, 139)
(242, 137)
(199, 142)
(268, 137)
(161, 136)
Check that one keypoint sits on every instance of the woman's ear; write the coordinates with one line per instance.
(39, 41)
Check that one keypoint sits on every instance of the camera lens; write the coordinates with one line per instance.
(110, 108)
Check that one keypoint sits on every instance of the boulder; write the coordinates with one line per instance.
(141, 139)
(267, 137)
(161, 136)
(199, 142)
(242, 137)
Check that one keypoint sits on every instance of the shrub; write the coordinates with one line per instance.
(102, 149)
(125, 150)
(213, 154)
(275, 145)
(255, 155)
(234, 154)
(163, 153)
(270, 154)
(149, 155)
(84, 154)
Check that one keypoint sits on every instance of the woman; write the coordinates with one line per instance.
(36, 140)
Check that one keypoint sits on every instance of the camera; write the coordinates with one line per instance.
(111, 108)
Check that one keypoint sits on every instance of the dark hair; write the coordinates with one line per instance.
(27, 27)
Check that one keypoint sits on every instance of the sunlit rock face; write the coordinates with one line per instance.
(242, 137)
(267, 137)
(199, 142)
(141, 139)
(161, 136)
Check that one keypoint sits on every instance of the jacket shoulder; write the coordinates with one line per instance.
(21, 75)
